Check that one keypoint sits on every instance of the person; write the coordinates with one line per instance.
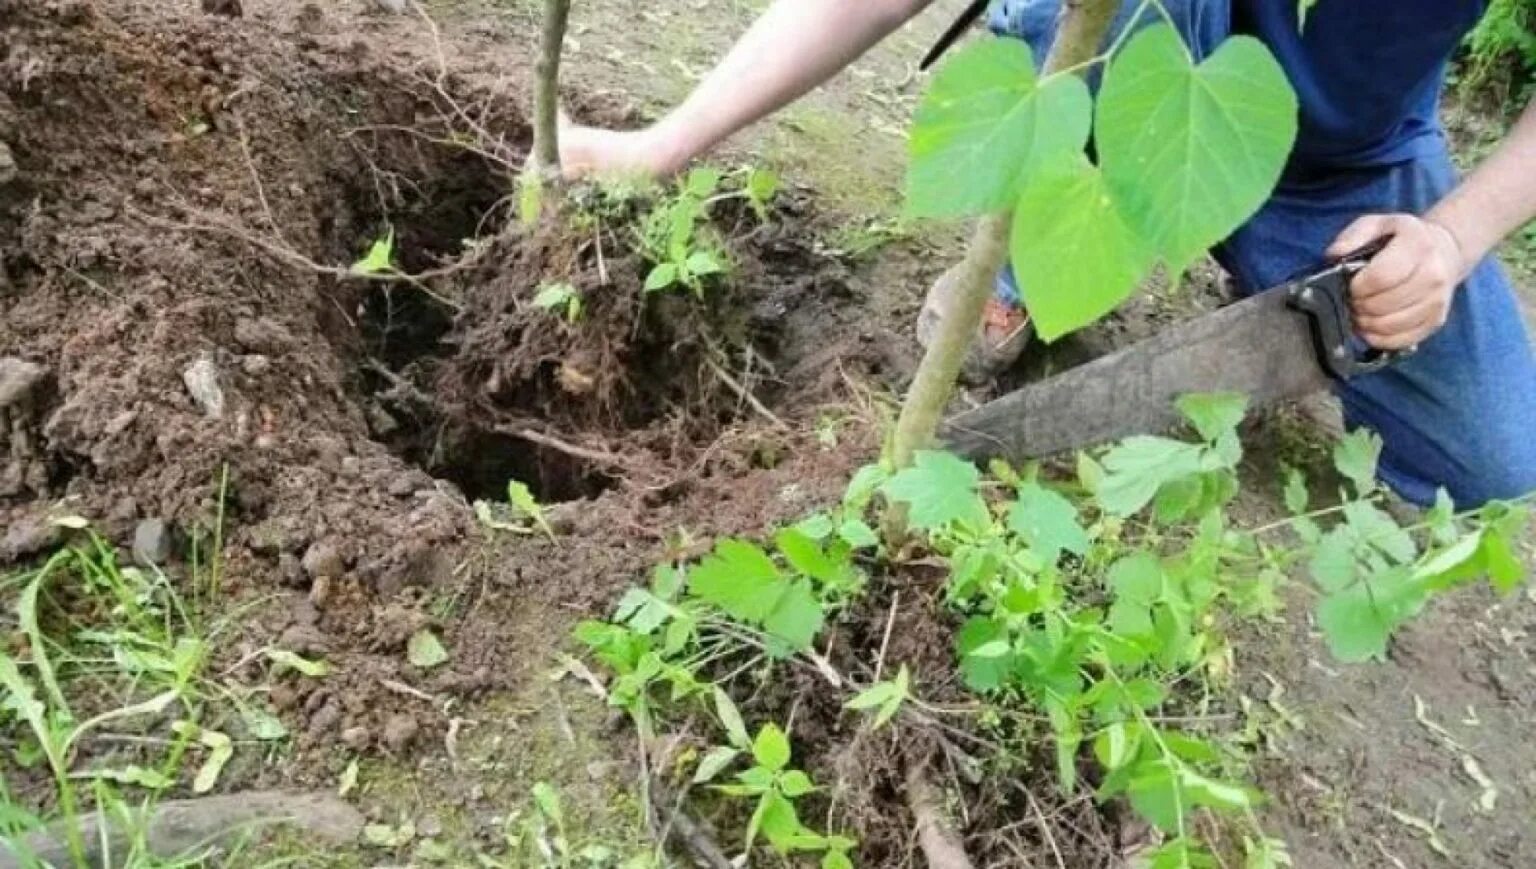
(1370, 162)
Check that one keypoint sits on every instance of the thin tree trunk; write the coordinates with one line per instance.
(546, 89)
(1083, 25)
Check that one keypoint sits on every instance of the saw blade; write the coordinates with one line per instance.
(1258, 346)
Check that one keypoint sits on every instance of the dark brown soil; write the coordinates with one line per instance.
(190, 190)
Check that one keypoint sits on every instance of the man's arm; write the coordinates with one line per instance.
(1404, 295)
(795, 46)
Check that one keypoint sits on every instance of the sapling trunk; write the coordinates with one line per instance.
(1082, 29)
(546, 88)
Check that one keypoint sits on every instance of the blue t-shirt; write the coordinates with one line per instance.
(1368, 73)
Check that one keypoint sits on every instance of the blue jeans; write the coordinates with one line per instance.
(1459, 414)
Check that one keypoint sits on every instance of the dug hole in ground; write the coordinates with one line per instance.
(189, 363)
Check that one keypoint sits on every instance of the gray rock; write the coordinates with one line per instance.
(18, 379)
(202, 380)
(394, 7)
(151, 542)
(323, 558)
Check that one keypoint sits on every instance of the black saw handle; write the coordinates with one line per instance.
(1324, 297)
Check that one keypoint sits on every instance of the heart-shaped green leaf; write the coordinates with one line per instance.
(1075, 255)
(987, 122)
(1190, 152)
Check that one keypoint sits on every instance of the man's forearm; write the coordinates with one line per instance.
(1497, 198)
(795, 46)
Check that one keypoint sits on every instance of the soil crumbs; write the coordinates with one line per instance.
(184, 348)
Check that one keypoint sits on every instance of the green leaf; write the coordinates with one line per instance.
(284, 659)
(220, 750)
(1333, 564)
(1356, 456)
(1213, 414)
(1137, 467)
(715, 763)
(984, 672)
(1115, 745)
(702, 182)
(797, 616)
(663, 275)
(261, 723)
(858, 534)
(348, 781)
(740, 579)
(836, 860)
(887, 696)
(425, 650)
(1190, 152)
(771, 748)
(796, 784)
(554, 295)
(642, 611)
(762, 185)
(778, 821)
(1375, 527)
(1137, 577)
(985, 123)
(939, 488)
(1072, 247)
(730, 718)
(1296, 495)
(548, 801)
(1048, 523)
(380, 257)
(1355, 624)
(806, 556)
(702, 263)
(526, 505)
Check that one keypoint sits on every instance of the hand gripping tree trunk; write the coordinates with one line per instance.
(546, 89)
(1083, 25)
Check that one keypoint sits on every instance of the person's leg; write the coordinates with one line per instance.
(1461, 412)
(1005, 328)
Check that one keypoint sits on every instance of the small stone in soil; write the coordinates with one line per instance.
(325, 719)
(323, 558)
(18, 378)
(202, 381)
(400, 731)
(151, 542)
(320, 592)
(356, 738)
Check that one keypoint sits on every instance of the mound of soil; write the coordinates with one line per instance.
(181, 196)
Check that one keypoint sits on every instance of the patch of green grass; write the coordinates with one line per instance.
(109, 701)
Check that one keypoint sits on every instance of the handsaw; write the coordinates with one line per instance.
(1285, 342)
(967, 18)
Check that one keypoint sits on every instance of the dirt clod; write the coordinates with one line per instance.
(323, 558)
(400, 731)
(18, 377)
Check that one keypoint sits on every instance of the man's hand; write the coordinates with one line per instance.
(587, 151)
(1404, 295)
